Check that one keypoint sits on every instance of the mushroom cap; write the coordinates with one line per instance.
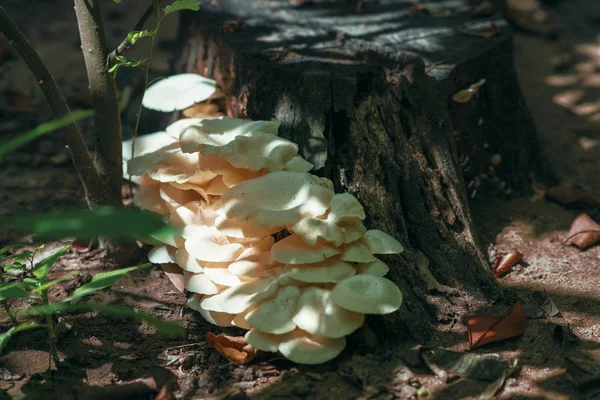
(303, 348)
(367, 294)
(377, 268)
(178, 92)
(175, 129)
(380, 242)
(344, 206)
(298, 164)
(148, 198)
(214, 317)
(239, 298)
(162, 255)
(187, 262)
(200, 283)
(263, 341)
(313, 229)
(222, 276)
(143, 145)
(275, 315)
(352, 229)
(294, 250)
(356, 252)
(276, 199)
(318, 315)
(206, 110)
(239, 320)
(206, 243)
(330, 270)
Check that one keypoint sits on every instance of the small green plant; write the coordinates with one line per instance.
(23, 278)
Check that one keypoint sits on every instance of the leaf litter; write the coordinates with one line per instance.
(484, 329)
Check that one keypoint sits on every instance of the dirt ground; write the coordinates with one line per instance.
(561, 81)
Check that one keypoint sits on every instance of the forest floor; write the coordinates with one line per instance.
(561, 81)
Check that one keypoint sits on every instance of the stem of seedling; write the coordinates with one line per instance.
(52, 338)
(12, 317)
(147, 71)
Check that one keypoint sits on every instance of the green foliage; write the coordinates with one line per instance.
(5, 336)
(102, 280)
(179, 5)
(42, 268)
(169, 328)
(113, 222)
(43, 129)
(134, 36)
(31, 283)
(121, 61)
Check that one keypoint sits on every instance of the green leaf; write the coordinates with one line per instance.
(42, 268)
(179, 5)
(5, 336)
(167, 327)
(9, 247)
(102, 280)
(15, 265)
(117, 1)
(114, 222)
(43, 129)
(40, 289)
(134, 36)
(13, 291)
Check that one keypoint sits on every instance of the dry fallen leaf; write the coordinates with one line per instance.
(584, 232)
(467, 94)
(175, 275)
(572, 197)
(202, 110)
(504, 264)
(233, 348)
(484, 329)
(540, 305)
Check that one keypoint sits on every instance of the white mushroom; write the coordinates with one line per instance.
(293, 250)
(275, 315)
(206, 243)
(344, 206)
(239, 298)
(380, 242)
(356, 252)
(318, 315)
(303, 348)
(178, 92)
(214, 317)
(330, 270)
(276, 199)
(263, 341)
(313, 229)
(200, 283)
(368, 294)
(162, 255)
(222, 276)
(377, 267)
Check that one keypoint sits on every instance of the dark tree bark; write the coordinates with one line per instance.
(354, 91)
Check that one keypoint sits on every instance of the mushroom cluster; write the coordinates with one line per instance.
(264, 245)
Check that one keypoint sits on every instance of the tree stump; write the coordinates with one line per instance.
(365, 89)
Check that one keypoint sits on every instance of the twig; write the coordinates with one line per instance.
(104, 95)
(125, 44)
(96, 190)
(184, 345)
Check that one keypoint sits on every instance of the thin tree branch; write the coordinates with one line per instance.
(104, 93)
(96, 190)
(125, 44)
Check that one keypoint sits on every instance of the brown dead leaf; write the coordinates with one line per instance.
(484, 329)
(584, 232)
(232, 347)
(504, 264)
(571, 197)
(467, 94)
(175, 275)
(204, 110)
(17, 99)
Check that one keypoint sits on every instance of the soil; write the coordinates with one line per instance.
(103, 356)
